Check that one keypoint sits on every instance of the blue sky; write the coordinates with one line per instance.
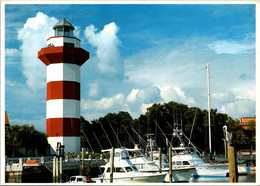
(140, 54)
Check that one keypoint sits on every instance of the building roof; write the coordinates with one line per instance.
(63, 23)
(6, 120)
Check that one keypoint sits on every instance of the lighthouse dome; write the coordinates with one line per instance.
(63, 28)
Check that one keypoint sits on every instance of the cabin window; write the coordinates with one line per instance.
(120, 169)
(178, 163)
(128, 169)
(79, 179)
(186, 163)
(138, 166)
(72, 178)
(108, 169)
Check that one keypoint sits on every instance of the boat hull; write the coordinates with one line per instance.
(211, 171)
(158, 178)
(243, 169)
(180, 175)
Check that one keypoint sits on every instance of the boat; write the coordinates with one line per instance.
(126, 172)
(143, 164)
(77, 179)
(183, 156)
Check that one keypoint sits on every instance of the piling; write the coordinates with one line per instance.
(232, 164)
(61, 169)
(82, 162)
(170, 165)
(160, 160)
(112, 164)
(57, 170)
(53, 169)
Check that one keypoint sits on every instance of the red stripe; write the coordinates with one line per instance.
(71, 55)
(63, 90)
(62, 127)
(62, 36)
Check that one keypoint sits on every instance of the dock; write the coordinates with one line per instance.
(40, 169)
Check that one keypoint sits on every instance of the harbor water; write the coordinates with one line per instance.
(250, 178)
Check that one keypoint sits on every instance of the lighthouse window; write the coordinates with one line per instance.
(69, 44)
(59, 32)
(68, 32)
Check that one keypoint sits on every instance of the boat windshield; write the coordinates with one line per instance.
(73, 178)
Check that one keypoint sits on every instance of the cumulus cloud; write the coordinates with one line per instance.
(114, 102)
(171, 93)
(33, 36)
(106, 42)
(144, 107)
(11, 52)
(239, 108)
(132, 96)
(231, 47)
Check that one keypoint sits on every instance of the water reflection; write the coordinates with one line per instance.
(242, 178)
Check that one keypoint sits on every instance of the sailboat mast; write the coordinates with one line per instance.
(210, 150)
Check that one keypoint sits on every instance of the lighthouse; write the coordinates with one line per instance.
(63, 58)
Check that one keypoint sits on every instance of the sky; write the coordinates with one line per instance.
(140, 54)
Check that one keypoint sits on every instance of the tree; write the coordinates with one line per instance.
(25, 136)
(12, 139)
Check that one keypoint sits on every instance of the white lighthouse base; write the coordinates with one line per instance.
(72, 144)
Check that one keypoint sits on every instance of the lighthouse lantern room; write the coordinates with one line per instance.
(63, 58)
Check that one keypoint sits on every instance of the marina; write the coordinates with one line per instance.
(39, 170)
(101, 107)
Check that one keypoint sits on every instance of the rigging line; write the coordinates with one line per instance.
(161, 131)
(201, 88)
(131, 139)
(105, 133)
(115, 134)
(92, 151)
(140, 138)
(193, 123)
(177, 134)
(142, 141)
(97, 140)
(87, 140)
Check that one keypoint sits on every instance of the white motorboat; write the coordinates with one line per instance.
(143, 164)
(203, 169)
(126, 172)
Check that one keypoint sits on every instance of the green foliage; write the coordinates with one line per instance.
(34, 142)
(161, 117)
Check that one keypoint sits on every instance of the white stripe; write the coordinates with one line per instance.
(63, 72)
(72, 143)
(63, 108)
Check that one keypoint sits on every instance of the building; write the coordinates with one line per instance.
(7, 124)
(244, 122)
(63, 58)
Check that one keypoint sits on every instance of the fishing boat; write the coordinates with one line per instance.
(126, 172)
(184, 156)
(143, 164)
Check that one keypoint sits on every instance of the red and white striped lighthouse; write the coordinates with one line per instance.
(63, 58)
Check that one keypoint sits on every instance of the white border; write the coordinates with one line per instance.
(2, 70)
